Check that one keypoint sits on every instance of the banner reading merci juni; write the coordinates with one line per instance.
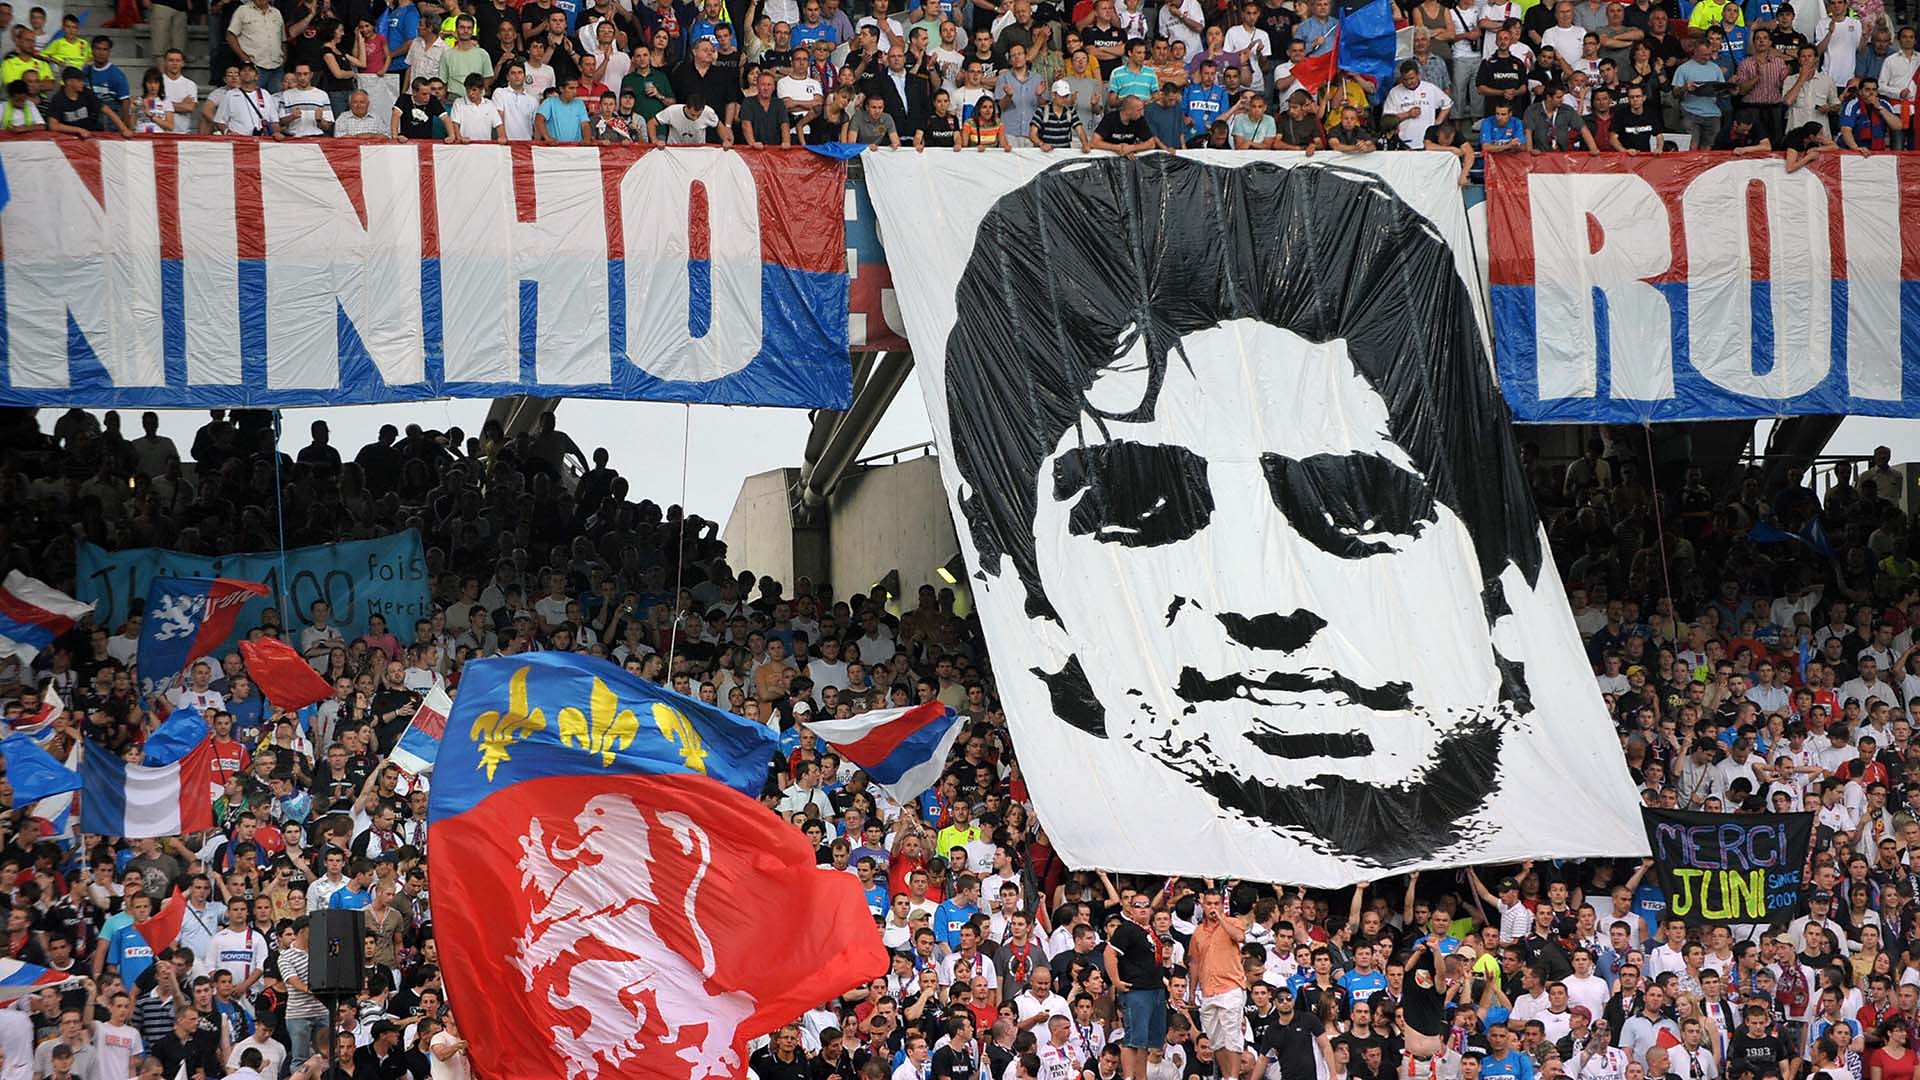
(385, 577)
(1730, 868)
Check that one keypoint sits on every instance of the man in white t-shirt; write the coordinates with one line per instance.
(182, 93)
(828, 669)
(116, 1044)
(1247, 39)
(272, 1054)
(448, 1053)
(198, 693)
(1182, 20)
(308, 112)
(1415, 104)
(474, 117)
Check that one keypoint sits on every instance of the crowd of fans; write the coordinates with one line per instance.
(1742, 675)
(1646, 76)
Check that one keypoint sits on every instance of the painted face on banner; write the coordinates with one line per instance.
(1275, 546)
(1235, 468)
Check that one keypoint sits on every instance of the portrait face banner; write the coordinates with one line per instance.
(1243, 515)
(1730, 868)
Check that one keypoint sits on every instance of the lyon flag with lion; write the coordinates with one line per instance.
(1247, 529)
(615, 904)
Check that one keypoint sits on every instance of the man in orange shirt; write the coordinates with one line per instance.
(1214, 954)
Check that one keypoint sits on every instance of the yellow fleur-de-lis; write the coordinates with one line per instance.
(604, 730)
(496, 731)
(675, 727)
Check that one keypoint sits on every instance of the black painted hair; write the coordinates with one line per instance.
(1069, 271)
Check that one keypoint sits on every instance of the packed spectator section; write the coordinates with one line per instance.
(1646, 76)
(1741, 675)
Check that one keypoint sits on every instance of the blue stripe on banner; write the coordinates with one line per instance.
(1695, 397)
(25, 633)
(802, 363)
(914, 750)
(103, 792)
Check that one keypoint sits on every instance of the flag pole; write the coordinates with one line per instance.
(280, 510)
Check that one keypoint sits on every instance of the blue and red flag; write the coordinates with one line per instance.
(1363, 44)
(902, 750)
(33, 613)
(611, 901)
(187, 618)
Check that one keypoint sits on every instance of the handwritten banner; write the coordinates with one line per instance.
(1730, 868)
(385, 577)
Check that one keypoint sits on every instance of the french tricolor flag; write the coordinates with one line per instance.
(17, 978)
(902, 750)
(33, 613)
(419, 745)
(169, 792)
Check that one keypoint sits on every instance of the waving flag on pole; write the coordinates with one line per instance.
(602, 879)
(187, 618)
(33, 772)
(1364, 43)
(18, 977)
(169, 792)
(162, 928)
(419, 745)
(33, 613)
(283, 675)
(902, 750)
(39, 726)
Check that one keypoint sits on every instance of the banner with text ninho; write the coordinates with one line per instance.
(1705, 286)
(233, 272)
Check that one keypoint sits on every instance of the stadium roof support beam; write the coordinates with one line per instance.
(872, 395)
(519, 414)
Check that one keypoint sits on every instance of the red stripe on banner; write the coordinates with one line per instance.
(873, 747)
(249, 216)
(1509, 232)
(1908, 173)
(801, 197)
(346, 169)
(429, 207)
(699, 233)
(84, 157)
(614, 163)
(166, 185)
(526, 206)
(196, 788)
(1759, 234)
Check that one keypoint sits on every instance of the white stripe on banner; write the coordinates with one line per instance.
(1870, 201)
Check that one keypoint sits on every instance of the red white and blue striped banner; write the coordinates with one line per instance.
(33, 613)
(1705, 286)
(249, 273)
(902, 750)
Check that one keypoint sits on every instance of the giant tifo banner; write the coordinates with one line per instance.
(1704, 286)
(1239, 491)
(1730, 868)
(359, 579)
(230, 272)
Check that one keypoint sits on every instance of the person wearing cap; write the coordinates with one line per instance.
(1515, 919)
(1820, 911)
(1292, 1038)
(383, 1055)
(1057, 123)
(74, 110)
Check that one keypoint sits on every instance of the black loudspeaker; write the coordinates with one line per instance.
(336, 951)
